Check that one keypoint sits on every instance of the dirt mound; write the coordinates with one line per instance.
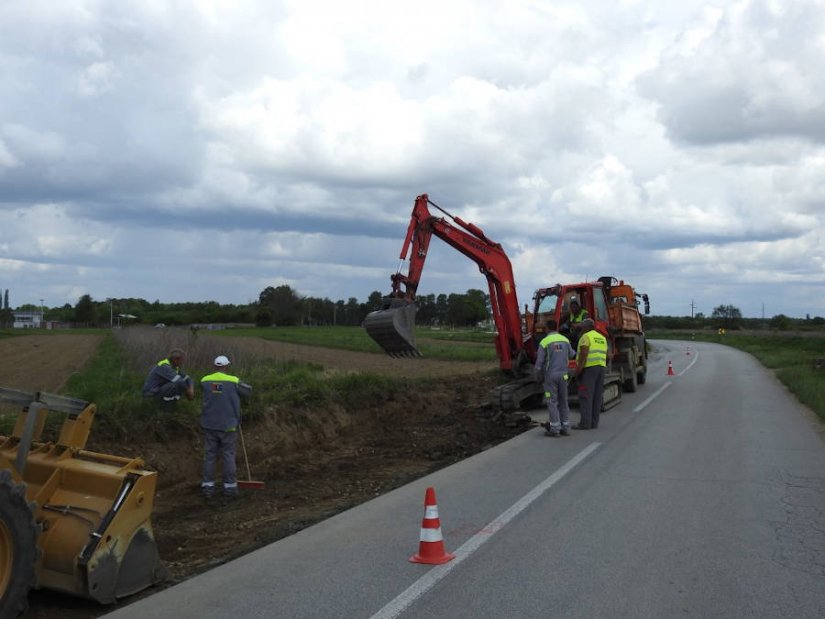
(314, 462)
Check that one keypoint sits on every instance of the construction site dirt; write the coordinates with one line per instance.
(314, 463)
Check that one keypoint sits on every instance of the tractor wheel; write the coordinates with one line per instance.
(642, 375)
(18, 547)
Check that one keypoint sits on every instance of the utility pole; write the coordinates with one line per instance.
(42, 315)
(692, 307)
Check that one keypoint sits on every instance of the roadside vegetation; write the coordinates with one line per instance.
(114, 377)
(797, 359)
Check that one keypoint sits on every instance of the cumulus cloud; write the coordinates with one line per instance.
(744, 73)
(285, 143)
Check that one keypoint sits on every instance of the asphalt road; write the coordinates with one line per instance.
(701, 495)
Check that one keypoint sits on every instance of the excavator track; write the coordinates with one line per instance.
(18, 546)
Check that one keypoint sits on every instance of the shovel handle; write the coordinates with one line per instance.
(245, 458)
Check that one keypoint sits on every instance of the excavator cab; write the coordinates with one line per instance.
(393, 327)
(71, 520)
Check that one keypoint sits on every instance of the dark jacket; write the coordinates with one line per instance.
(222, 395)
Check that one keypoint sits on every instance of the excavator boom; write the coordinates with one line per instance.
(393, 326)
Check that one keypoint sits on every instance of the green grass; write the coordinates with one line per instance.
(122, 412)
(790, 355)
(356, 339)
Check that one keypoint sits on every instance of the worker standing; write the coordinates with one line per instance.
(167, 380)
(591, 366)
(220, 418)
(551, 368)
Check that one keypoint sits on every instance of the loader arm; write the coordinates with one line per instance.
(392, 326)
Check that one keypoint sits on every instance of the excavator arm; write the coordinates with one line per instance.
(393, 326)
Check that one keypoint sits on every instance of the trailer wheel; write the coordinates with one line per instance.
(630, 383)
(18, 547)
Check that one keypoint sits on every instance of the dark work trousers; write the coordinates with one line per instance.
(219, 443)
(555, 395)
(591, 391)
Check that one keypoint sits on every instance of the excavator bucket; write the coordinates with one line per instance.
(393, 328)
(90, 511)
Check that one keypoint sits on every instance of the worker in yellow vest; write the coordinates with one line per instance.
(575, 317)
(591, 366)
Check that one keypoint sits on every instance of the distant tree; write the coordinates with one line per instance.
(263, 317)
(84, 310)
(727, 316)
(283, 303)
(780, 322)
(6, 315)
(441, 309)
(466, 310)
(375, 300)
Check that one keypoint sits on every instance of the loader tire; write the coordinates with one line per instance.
(18, 547)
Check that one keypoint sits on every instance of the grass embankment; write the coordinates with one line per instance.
(114, 377)
(790, 356)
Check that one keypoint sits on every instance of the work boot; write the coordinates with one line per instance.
(565, 432)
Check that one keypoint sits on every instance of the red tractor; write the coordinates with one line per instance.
(612, 304)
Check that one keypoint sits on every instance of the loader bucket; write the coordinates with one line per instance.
(393, 328)
(92, 510)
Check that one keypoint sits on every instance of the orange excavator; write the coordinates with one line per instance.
(611, 303)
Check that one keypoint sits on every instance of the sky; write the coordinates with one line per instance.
(204, 150)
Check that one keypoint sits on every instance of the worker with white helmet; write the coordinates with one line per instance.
(220, 418)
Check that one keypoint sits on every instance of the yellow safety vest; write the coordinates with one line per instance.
(596, 348)
(576, 319)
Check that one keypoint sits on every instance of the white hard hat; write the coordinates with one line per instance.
(221, 361)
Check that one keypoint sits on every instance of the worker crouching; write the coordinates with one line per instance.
(220, 418)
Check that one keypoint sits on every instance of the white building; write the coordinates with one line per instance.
(27, 320)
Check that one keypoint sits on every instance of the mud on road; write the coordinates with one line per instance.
(315, 463)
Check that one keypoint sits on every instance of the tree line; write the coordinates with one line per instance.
(275, 306)
(283, 306)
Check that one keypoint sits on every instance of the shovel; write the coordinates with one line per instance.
(248, 482)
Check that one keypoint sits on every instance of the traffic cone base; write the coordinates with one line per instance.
(431, 543)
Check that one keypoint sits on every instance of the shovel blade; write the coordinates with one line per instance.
(250, 484)
(393, 329)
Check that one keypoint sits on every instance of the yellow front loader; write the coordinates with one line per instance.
(70, 520)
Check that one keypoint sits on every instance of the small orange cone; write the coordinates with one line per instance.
(431, 545)
(687, 351)
(670, 368)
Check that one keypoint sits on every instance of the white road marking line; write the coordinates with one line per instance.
(690, 365)
(651, 398)
(431, 578)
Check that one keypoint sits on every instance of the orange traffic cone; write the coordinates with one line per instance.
(670, 368)
(687, 351)
(431, 545)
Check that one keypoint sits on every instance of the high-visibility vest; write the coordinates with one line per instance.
(576, 319)
(596, 348)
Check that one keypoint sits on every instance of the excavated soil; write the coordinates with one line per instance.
(314, 463)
